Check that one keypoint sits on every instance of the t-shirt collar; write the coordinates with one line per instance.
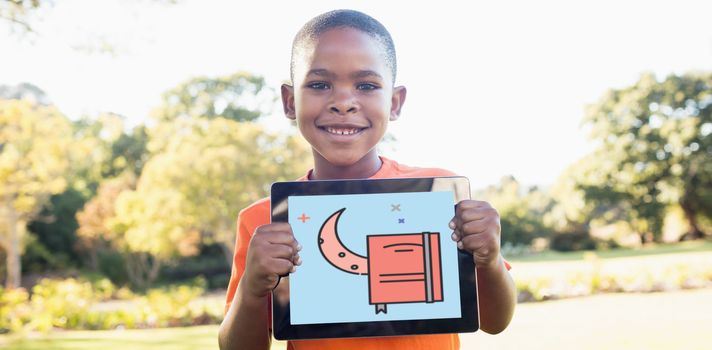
(385, 169)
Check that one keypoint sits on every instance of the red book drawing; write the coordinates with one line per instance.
(401, 268)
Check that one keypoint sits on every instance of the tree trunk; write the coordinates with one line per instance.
(155, 269)
(14, 267)
(134, 269)
(143, 269)
(93, 259)
(693, 231)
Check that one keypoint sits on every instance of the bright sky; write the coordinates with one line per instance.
(494, 88)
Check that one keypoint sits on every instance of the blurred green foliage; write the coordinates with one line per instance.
(35, 152)
(655, 150)
(81, 304)
(240, 97)
(127, 202)
(594, 275)
(520, 210)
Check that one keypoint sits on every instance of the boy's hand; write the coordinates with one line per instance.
(273, 252)
(477, 230)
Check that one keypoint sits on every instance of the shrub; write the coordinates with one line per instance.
(61, 303)
(74, 304)
(571, 241)
(642, 279)
(14, 309)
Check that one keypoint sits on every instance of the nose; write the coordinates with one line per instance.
(343, 102)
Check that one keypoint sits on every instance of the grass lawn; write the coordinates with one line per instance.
(654, 249)
(189, 338)
(674, 320)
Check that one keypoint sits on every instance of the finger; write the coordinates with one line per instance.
(477, 214)
(472, 210)
(455, 235)
(275, 227)
(470, 204)
(478, 226)
(283, 266)
(453, 226)
(279, 237)
(475, 243)
(283, 251)
(297, 260)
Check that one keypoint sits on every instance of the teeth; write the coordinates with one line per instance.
(341, 131)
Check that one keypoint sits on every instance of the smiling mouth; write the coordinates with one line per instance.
(342, 131)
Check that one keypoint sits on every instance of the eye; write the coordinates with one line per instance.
(318, 85)
(367, 86)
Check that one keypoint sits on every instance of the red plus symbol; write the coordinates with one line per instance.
(303, 218)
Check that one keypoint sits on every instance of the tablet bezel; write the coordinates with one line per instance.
(469, 320)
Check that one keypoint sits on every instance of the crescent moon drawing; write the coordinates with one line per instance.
(334, 250)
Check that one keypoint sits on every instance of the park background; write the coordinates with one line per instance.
(132, 132)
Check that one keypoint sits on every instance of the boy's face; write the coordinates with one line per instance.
(343, 95)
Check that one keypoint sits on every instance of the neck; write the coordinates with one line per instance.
(362, 169)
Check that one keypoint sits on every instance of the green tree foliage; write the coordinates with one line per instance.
(34, 146)
(205, 175)
(521, 210)
(207, 161)
(128, 153)
(149, 224)
(101, 150)
(53, 234)
(655, 149)
(105, 150)
(239, 97)
(95, 236)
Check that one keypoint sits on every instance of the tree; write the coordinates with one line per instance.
(239, 97)
(655, 145)
(578, 209)
(213, 169)
(152, 230)
(521, 210)
(95, 233)
(52, 234)
(34, 145)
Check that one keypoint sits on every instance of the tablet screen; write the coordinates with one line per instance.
(377, 259)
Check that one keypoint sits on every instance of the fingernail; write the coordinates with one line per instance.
(299, 246)
(459, 244)
(294, 269)
(452, 225)
(299, 260)
(454, 237)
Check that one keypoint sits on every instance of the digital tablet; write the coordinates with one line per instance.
(377, 259)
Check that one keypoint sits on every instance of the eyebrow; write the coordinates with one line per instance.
(355, 75)
(320, 72)
(365, 74)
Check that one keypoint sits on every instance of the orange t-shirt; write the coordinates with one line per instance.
(258, 214)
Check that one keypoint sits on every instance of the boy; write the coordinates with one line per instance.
(343, 71)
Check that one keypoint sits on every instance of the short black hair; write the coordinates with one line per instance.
(345, 19)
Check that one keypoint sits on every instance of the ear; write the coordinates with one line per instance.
(397, 101)
(288, 101)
